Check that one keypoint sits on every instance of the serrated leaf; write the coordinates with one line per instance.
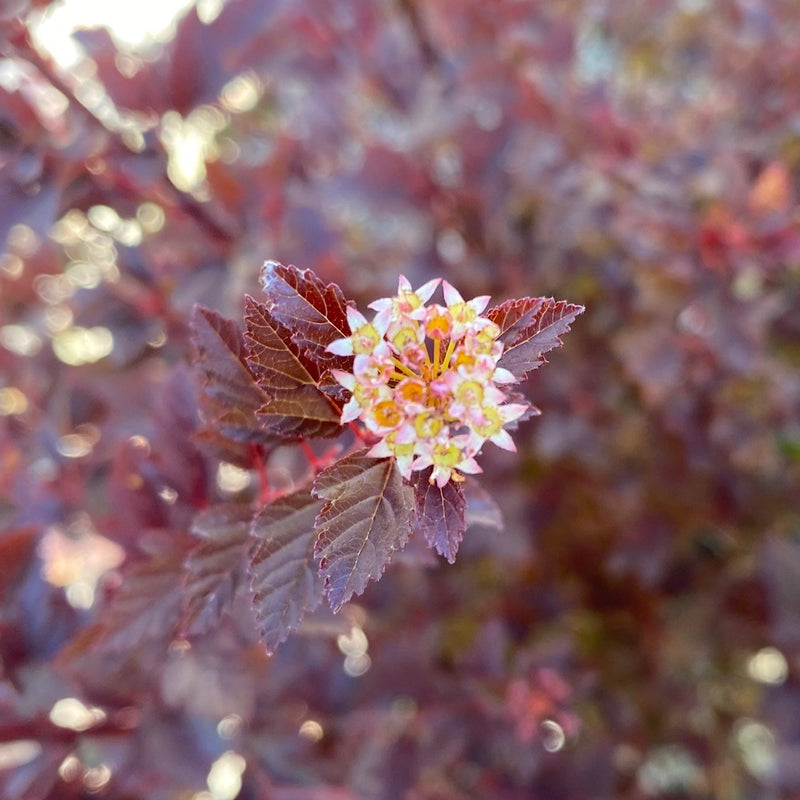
(439, 514)
(313, 311)
(366, 518)
(214, 571)
(295, 406)
(231, 396)
(530, 327)
(284, 580)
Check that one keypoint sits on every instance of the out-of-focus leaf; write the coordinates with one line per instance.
(439, 514)
(284, 579)
(214, 571)
(530, 327)
(366, 518)
(231, 395)
(314, 312)
(294, 405)
(482, 509)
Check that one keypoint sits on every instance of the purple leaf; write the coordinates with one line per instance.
(366, 518)
(284, 581)
(214, 571)
(313, 311)
(231, 396)
(530, 327)
(294, 406)
(440, 514)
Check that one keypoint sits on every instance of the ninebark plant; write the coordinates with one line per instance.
(408, 399)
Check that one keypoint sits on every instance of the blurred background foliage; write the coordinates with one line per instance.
(634, 628)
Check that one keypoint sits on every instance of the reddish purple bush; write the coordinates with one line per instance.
(623, 617)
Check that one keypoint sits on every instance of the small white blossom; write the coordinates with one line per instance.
(425, 381)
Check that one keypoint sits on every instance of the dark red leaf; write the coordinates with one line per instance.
(366, 518)
(530, 327)
(231, 395)
(440, 514)
(294, 405)
(284, 581)
(214, 571)
(313, 311)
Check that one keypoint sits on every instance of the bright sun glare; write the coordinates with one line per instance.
(133, 25)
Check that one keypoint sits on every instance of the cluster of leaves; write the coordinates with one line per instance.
(274, 383)
(632, 630)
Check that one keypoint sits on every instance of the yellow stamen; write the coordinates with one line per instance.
(448, 355)
(403, 368)
(436, 347)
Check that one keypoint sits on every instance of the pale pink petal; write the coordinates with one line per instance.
(341, 347)
(380, 450)
(351, 411)
(503, 439)
(451, 295)
(470, 466)
(502, 375)
(403, 285)
(381, 304)
(345, 379)
(425, 292)
(478, 304)
(512, 411)
(355, 318)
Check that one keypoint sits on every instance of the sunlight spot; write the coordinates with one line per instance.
(12, 266)
(355, 666)
(23, 240)
(83, 275)
(241, 93)
(12, 401)
(70, 768)
(74, 445)
(71, 713)
(58, 318)
(311, 730)
(354, 643)
(553, 737)
(128, 233)
(133, 25)
(225, 776)
(53, 289)
(229, 726)
(76, 346)
(139, 442)
(450, 246)
(20, 340)
(756, 745)
(669, 770)
(151, 217)
(768, 665)
(19, 752)
(104, 218)
(77, 558)
(80, 594)
(168, 495)
(95, 778)
(232, 479)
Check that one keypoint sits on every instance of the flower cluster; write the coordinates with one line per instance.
(425, 380)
